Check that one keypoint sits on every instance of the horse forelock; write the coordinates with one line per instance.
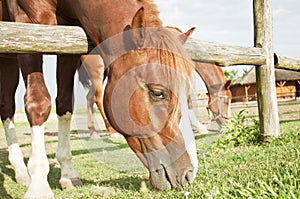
(177, 66)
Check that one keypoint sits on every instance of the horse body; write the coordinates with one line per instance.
(158, 130)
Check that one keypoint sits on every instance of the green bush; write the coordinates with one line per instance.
(239, 131)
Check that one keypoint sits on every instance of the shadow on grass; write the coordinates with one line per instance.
(126, 183)
(131, 183)
(212, 134)
(5, 170)
(289, 121)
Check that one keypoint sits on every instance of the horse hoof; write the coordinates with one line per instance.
(39, 193)
(76, 182)
(114, 136)
(70, 183)
(201, 129)
(23, 179)
(94, 135)
(111, 130)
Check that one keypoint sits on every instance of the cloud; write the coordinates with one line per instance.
(231, 22)
(213, 19)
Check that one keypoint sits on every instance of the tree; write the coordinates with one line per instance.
(231, 75)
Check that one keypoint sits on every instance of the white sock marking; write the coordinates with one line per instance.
(15, 154)
(38, 166)
(63, 153)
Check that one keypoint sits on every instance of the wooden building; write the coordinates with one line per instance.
(287, 86)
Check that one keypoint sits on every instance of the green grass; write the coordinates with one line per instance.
(109, 169)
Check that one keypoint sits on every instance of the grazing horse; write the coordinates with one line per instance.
(213, 76)
(145, 98)
(91, 76)
(218, 91)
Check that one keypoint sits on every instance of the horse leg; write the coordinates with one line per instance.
(95, 68)
(37, 106)
(200, 128)
(9, 77)
(99, 101)
(66, 68)
(90, 98)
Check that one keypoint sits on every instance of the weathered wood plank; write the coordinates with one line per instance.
(224, 55)
(265, 74)
(288, 63)
(33, 38)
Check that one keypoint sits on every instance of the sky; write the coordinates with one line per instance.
(221, 21)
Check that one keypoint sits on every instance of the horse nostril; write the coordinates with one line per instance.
(188, 178)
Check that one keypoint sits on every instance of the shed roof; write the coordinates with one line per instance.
(280, 75)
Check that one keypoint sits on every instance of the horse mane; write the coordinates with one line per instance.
(151, 13)
(173, 53)
(170, 52)
(33, 6)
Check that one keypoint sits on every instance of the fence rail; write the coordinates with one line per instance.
(280, 96)
(35, 38)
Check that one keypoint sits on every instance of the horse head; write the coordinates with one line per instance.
(146, 101)
(219, 102)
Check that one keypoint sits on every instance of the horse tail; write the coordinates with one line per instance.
(84, 77)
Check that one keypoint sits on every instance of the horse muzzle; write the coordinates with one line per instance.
(166, 178)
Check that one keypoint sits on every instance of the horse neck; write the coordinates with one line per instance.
(105, 21)
(111, 16)
(212, 76)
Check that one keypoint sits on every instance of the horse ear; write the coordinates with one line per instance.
(138, 25)
(227, 84)
(185, 36)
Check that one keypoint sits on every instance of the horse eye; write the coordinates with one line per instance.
(157, 94)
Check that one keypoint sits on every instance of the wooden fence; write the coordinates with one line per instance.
(32, 38)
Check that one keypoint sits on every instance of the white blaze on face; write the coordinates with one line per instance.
(187, 134)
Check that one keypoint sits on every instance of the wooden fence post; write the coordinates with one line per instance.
(265, 74)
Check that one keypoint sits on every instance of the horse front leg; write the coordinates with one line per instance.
(9, 79)
(37, 106)
(66, 68)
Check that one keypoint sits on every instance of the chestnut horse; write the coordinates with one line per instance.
(218, 90)
(145, 98)
(91, 75)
